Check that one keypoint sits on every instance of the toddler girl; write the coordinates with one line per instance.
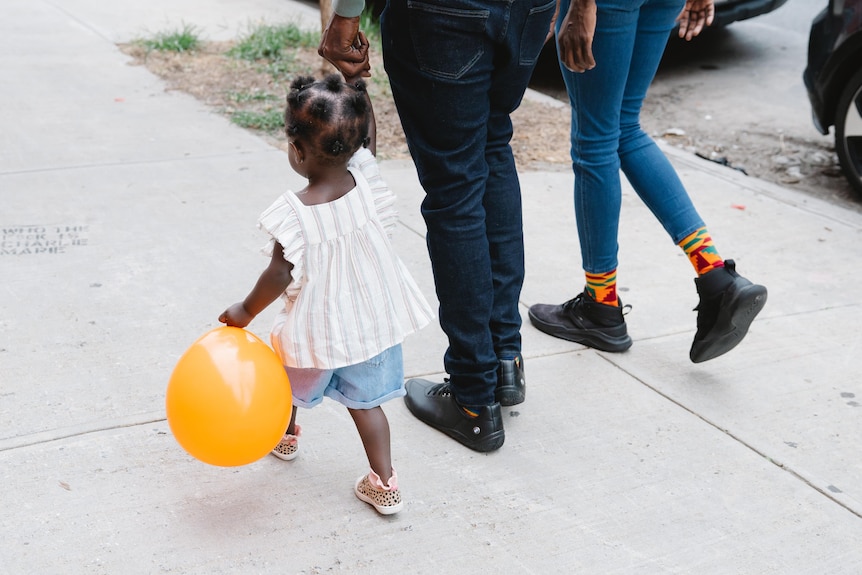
(349, 300)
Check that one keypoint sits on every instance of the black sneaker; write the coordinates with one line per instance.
(434, 404)
(511, 385)
(728, 305)
(584, 321)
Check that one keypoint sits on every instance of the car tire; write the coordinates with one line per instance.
(848, 131)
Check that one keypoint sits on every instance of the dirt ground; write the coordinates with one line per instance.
(806, 164)
(233, 86)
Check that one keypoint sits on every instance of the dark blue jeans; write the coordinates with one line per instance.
(606, 102)
(458, 69)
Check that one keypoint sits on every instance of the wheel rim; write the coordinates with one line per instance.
(852, 141)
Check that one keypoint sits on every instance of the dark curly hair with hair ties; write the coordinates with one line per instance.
(328, 116)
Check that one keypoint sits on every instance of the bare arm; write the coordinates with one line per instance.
(372, 127)
(271, 284)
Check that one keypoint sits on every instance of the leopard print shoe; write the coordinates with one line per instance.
(288, 448)
(386, 499)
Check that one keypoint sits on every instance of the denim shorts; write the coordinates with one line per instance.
(358, 386)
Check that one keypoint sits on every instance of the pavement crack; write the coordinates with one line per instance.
(97, 165)
(826, 492)
(51, 436)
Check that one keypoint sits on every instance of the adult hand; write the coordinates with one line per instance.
(575, 38)
(236, 316)
(553, 22)
(362, 44)
(695, 15)
(345, 47)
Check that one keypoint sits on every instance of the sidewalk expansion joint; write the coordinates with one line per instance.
(120, 164)
(52, 436)
(738, 439)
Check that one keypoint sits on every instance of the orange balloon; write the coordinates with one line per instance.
(228, 400)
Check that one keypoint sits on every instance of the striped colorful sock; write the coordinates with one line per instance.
(470, 410)
(603, 287)
(701, 252)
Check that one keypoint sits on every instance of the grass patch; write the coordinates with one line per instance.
(268, 42)
(270, 120)
(247, 93)
(284, 67)
(246, 97)
(182, 40)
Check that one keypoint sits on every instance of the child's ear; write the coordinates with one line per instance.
(297, 151)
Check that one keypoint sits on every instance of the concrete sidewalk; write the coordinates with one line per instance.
(128, 219)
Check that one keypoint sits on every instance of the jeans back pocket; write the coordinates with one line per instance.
(536, 28)
(448, 37)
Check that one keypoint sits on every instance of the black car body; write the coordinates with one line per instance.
(833, 78)
(728, 11)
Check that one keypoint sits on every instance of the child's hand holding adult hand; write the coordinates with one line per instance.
(346, 47)
(364, 70)
(236, 316)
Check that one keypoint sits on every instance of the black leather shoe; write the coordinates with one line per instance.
(585, 321)
(511, 385)
(434, 404)
(728, 305)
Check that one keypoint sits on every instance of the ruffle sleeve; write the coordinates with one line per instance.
(384, 199)
(281, 222)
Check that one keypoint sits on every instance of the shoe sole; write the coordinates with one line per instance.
(492, 442)
(589, 337)
(290, 457)
(734, 324)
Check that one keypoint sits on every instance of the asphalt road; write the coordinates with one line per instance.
(737, 92)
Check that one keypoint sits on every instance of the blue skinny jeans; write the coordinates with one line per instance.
(606, 134)
(458, 69)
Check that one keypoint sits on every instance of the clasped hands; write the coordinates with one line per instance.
(346, 47)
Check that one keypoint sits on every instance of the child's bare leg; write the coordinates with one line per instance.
(291, 427)
(373, 428)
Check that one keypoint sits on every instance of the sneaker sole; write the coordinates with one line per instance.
(735, 324)
(492, 442)
(290, 457)
(588, 337)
